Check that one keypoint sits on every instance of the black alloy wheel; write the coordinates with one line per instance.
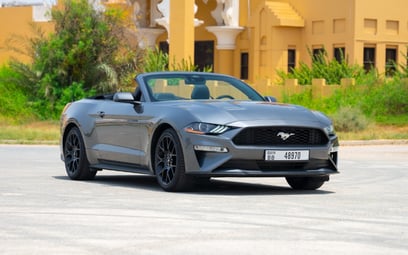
(76, 162)
(169, 163)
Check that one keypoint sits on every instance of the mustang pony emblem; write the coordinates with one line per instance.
(284, 136)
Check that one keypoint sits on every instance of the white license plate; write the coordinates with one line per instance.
(300, 155)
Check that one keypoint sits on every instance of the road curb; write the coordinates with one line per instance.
(27, 142)
(373, 142)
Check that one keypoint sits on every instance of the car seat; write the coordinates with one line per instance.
(200, 92)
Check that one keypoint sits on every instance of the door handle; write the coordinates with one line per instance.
(101, 114)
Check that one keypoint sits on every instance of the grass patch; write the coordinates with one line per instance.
(377, 132)
(38, 132)
(399, 120)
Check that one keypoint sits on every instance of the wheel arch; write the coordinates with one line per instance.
(66, 131)
(155, 137)
(64, 134)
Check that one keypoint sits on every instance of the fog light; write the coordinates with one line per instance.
(334, 149)
(210, 148)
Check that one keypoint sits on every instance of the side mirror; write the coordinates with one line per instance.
(124, 97)
(271, 99)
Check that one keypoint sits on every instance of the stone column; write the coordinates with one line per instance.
(181, 41)
(227, 11)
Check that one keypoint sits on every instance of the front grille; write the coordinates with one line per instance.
(271, 136)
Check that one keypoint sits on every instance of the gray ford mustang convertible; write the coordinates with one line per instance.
(188, 126)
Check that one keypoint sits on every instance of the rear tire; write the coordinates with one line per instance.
(169, 163)
(306, 183)
(76, 161)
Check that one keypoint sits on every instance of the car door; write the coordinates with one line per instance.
(122, 133)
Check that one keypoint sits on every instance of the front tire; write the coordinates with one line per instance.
(76, 161)
(169, 163)
(306, 183)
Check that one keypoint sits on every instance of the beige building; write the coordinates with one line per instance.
(16, 21)
(251, 39)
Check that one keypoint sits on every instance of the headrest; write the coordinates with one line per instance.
(200, 92)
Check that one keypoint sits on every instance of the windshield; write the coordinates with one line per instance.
(197, 86)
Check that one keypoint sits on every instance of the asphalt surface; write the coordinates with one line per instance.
(363, 210)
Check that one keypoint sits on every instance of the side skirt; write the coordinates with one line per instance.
(123, 167)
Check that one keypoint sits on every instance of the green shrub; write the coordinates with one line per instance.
(389, 98)
(13, 100)
(349, 119)
(88, 47)
(330, 70)
(328, 105)
(158, 61)
(155, 61)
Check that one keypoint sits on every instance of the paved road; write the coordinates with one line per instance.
(361, 211)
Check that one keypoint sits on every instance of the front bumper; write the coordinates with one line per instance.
(248, 161)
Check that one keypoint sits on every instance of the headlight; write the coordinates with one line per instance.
(205, 128)
(329, 130)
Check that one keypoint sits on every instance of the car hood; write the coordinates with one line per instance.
(229, 112)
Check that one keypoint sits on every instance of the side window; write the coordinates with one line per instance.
(244, 65)
(390, 61)
(339, 54)
(291, 60)
(369, 58)
(318, 54)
